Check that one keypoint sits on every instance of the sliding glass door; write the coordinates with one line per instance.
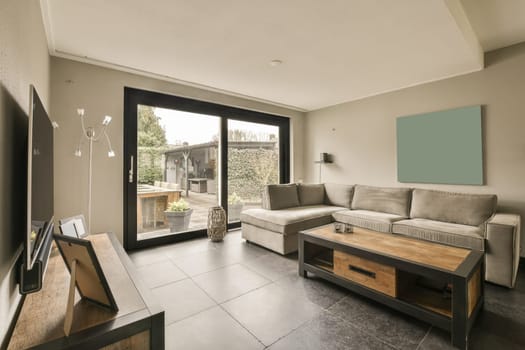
(176, 170)
(183, 157)
(253, 162)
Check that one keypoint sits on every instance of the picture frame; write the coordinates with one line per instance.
(74, 226)
(90, 280)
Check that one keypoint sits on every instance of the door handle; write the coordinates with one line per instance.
(130, 171)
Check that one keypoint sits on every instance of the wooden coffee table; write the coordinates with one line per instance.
(439, 284)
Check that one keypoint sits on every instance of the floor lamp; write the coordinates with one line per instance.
(90, 134)
(324, 158)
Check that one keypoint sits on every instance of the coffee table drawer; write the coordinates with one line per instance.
(373, 275)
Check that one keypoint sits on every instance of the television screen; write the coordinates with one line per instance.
(40, 177)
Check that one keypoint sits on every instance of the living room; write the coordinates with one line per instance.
(338, 91)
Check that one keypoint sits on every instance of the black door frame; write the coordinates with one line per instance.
(132, 98)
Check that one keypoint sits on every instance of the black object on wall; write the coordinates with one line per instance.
(13, 127)
(39, 193)
(324, 158)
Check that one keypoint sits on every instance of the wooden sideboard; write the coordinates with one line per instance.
(139, 323)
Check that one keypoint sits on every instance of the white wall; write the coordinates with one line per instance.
(24, 60)
(101, 91)
(362, 134)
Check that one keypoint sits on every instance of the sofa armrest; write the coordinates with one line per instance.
(502, 249)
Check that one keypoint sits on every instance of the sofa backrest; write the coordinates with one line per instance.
(280, 196)
(383, 199)
(338, 195)
(310, 194)
(459, 208)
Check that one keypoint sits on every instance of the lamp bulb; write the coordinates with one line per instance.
(111, 154)
(80, 112)
(78, 153)
(106, 121)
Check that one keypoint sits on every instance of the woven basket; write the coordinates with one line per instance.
(216, 224)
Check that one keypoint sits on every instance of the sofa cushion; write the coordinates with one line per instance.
(458, 235)
(338, 195)
(458, 208)
(280, 196)
(383, 199)
(310, 194)
(290, 220)
(372, 220)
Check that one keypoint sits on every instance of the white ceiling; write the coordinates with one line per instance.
(332, 51)
(498, 23)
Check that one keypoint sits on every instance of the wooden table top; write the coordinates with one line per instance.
(199, 179)
(149, 189)
(418, 251)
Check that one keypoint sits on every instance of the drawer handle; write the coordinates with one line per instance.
(362, 271)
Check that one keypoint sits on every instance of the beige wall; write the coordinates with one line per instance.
(362, 134)
(24, 60)
(101, 91)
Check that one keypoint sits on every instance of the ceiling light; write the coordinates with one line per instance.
(275, 63)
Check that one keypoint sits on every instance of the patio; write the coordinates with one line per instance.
(200, 203)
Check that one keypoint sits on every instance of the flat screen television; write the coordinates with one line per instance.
(39, 194)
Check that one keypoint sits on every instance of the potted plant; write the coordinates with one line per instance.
(178, 215)
(234, 207)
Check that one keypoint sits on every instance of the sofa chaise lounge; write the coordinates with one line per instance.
(458, 219)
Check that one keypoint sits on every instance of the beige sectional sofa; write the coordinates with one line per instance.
(288, 209)
(458, 219)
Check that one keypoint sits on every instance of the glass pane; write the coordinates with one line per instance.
(176, 170)
(253, 161)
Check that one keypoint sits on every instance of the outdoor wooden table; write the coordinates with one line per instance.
(148, 191)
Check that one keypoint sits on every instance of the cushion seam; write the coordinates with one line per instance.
(375, 220)
(439, 231)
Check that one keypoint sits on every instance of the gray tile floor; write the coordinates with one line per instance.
(234, 295)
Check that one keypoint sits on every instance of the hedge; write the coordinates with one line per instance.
(249, 170)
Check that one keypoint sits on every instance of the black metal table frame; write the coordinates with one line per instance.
(459, 325)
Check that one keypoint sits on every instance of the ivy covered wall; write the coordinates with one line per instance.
(249, 170)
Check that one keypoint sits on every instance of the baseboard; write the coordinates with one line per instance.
(12, 324)
(9, 295)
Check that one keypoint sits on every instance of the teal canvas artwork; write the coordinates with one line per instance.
(444, 147)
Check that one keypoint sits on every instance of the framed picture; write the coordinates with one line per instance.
(74, 226)
(444, 147)
(79, 255)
